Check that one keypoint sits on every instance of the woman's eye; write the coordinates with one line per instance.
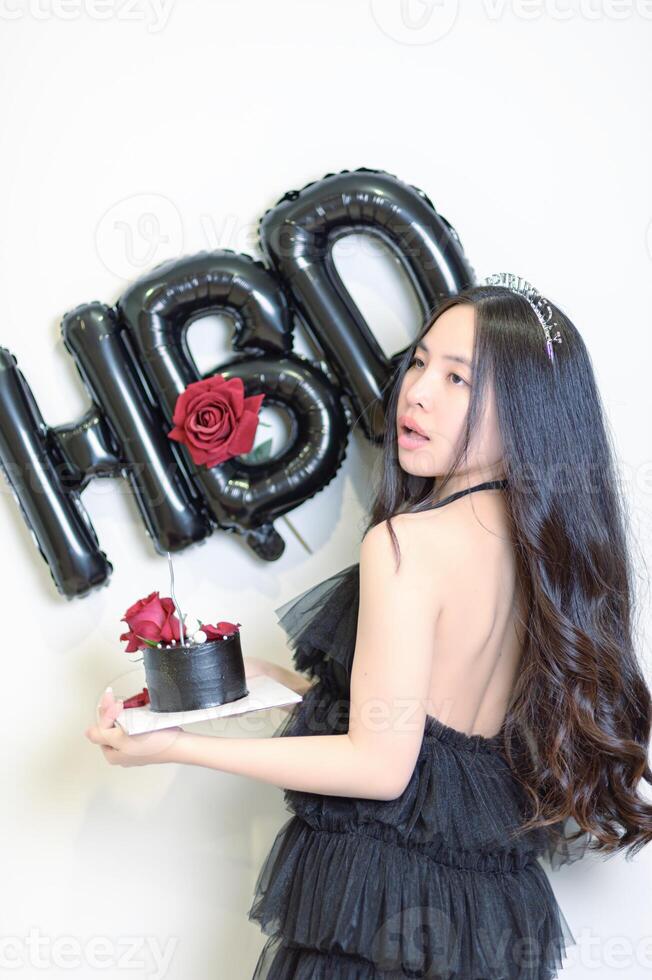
(452, 374)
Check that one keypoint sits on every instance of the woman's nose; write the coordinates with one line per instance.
(416, 395)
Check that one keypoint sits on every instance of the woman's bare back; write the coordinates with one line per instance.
(481, 611)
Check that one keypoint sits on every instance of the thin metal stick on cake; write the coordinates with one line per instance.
(174, 598)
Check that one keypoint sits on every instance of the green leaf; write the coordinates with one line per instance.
(150, 643)
(260, 453)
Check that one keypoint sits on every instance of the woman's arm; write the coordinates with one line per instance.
(389, 683)
(330, 764)
(291, 678)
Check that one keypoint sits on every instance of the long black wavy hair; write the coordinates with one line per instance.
(578, 726)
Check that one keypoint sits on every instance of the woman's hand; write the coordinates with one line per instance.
(121, 749)
(254, 666)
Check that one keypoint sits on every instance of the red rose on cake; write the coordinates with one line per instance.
(219, 630)
(214, 420)
(150, 619)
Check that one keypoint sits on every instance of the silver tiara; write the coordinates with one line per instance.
(540, 305)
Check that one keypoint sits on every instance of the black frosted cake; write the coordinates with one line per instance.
(199, 675)
(205, 670)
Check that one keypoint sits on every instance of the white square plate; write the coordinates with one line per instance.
(263, 693)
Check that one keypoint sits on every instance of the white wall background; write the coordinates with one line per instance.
(528, 125)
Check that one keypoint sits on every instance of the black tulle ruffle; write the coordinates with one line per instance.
(403, 913)
(435, 883)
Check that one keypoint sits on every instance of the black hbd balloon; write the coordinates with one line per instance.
(134, 361)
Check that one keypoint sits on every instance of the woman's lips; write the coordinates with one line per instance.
(411, 440)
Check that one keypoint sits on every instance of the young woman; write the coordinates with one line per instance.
(471, 690)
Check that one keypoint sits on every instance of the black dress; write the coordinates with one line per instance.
(426, 885)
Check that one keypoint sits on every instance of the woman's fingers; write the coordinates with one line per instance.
(109, 737)
(108, 709)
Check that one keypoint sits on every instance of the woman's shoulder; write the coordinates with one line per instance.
(447, 559)
(425, 539)
(459, 531)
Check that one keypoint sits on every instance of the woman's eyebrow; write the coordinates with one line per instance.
(447, 357)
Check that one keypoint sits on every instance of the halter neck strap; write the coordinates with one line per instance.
(487, 485)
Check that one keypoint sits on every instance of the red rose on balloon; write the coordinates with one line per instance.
(214, 419)
(153, 619)
(220, 629)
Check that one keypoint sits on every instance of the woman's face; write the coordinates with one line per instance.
(435, 396)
